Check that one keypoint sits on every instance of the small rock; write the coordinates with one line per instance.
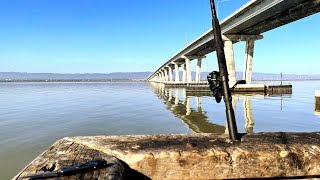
(284, 154)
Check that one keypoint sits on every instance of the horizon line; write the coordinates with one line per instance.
(142, 72)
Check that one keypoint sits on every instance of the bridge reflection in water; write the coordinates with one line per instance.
(178, 101)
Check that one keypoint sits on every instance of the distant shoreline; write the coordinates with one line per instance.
(126, 80)
(286, 80)
(131, 77)
(74, 80)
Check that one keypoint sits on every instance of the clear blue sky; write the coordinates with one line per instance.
(103, 36)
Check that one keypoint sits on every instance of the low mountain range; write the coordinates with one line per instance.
(23, 76)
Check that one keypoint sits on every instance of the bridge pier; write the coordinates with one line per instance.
(170, 73)
(229, 53)
(176, 69)
(163, 76)
(188, 69)
(247, 72)
(166, 78)
(228, 47)
(198, 73)
(184, 73)
(160, 76)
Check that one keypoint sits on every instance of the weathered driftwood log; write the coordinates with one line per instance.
(207, 156)
(202, 156)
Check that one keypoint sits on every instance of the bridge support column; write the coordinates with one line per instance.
(184, 73)
(176, 69)
(166, 75)
(161, 76)
(247, 72)
(228, 47)
(189, 78)
(170, 73)
(186, 70)
(198, 74)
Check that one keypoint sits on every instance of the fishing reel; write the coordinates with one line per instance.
(215, 83)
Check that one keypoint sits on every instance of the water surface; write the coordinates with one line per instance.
(35, 115)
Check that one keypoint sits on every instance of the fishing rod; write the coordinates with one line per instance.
(219, 82)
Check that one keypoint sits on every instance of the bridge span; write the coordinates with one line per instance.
(246, 24)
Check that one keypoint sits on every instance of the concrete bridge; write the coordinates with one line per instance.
(246, 24)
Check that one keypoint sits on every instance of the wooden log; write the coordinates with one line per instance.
(209, 156)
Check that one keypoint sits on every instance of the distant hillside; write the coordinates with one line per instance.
(14, 76)
(87, 76)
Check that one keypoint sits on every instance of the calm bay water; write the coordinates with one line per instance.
(35, 115)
